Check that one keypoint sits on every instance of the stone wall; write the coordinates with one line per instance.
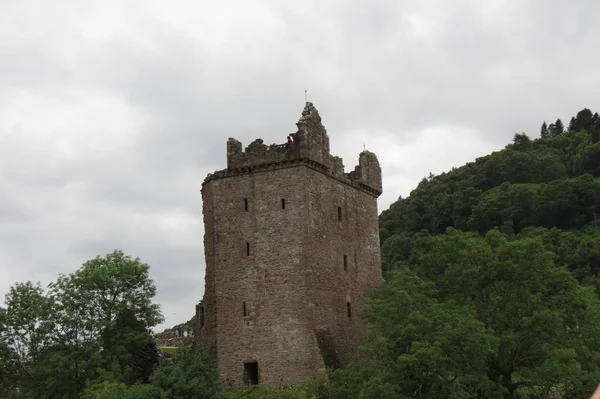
(291, 242)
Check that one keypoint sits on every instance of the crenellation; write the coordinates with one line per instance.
(337, 166)
(258, 153)
(310, 146)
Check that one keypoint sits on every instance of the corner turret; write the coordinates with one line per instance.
(368, 171)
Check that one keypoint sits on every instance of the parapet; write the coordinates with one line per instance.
(310, 146)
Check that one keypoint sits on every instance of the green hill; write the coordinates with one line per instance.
(548, 187)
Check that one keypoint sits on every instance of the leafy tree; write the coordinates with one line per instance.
(92, 299)
(489, 317)
(8, 360)
(590, 159)
(568, 203)
(107, 390)
(93, 326)
(190, 376)
(138, 353)
(552, 130)
(583, 120)
(521, 142)
(27, 326)
(431, 348)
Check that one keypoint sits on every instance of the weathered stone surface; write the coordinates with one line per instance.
(290, 240)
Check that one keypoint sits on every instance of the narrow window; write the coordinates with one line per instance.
(340, 213)
(355, 260)
(244, 309)
(251, 373)
(349, 308)
(283, 203)
(247, 249)
(345, 262)
(245, 204)
(201, 316)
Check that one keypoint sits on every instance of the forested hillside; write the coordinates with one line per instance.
(547, 187)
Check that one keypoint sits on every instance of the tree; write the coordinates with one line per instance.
(489, 317)
(138, 355)
(590, 159)
(190, 376)
(544, 131)
(92, 299)
(551, 130)
(538, 312)
(431, 348)
(28, 322)
(92, 326)
(557, 129)
(521, 142)
(595, 129)
(8, 359)
(583, 120)
(572, 124)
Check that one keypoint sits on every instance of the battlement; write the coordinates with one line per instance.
(310, 147)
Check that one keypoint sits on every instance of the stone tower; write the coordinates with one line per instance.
(291, 245)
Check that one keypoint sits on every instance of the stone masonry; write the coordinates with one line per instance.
(292, 245)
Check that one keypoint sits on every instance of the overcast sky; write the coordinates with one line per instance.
(113, 112)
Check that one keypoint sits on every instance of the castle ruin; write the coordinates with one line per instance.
(291, 245)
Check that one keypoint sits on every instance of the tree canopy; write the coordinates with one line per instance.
(88, 324)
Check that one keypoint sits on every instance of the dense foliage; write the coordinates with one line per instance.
(189, 376)
(486, 317)
(550, 183)
(93, 324)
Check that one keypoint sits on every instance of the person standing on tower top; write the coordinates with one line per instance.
(289, 140)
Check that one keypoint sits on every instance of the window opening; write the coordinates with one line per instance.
(283, 203)
(349, 309)
(247, 249)
(245, 204)
(340, 213)
(245, 309)
(251, 373)
(345, 262)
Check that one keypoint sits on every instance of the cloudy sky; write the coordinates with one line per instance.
(113, 112)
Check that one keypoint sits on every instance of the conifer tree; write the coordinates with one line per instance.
(544, 131)
(558, 128)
